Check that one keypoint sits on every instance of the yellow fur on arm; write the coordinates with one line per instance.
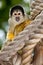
(27, 22)
(10, 35)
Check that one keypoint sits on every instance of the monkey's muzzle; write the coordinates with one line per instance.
(17, 19)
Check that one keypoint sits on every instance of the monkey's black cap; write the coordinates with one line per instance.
(15, 8)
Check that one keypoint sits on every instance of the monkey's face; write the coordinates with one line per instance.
(17, 17)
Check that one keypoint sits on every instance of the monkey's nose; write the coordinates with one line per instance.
(17, 19)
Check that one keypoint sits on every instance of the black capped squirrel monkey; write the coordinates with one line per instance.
(17, 22)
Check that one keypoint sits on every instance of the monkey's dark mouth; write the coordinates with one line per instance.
(17, 19)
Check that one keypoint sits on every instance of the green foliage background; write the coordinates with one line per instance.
(4, 12)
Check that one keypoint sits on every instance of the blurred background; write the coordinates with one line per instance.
(5, 6)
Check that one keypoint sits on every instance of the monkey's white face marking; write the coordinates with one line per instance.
(17, 17)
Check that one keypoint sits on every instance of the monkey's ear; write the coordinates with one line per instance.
(9, 21)
(10, 13)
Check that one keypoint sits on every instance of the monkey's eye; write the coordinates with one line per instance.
(18, 13)
(15, 14)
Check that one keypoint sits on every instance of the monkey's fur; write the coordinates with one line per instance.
(14, 30)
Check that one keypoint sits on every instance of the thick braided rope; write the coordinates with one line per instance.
(31, 35)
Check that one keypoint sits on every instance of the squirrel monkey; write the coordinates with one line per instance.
(17, 21)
